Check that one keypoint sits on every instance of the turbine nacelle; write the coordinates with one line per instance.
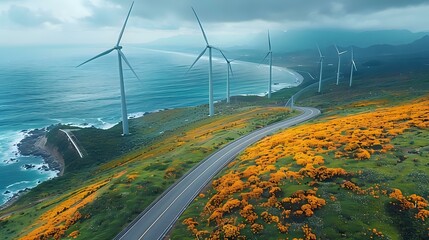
(121, 57)
(209, 47)
(338, 52)
(339, 62)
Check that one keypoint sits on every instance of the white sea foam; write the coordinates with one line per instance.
(8, 145)
(105, 125)
(17, 183)
(136, 115)
(141, 114)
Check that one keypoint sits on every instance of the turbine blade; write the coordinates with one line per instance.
(354, 65)
(320, 53)
(99, 55)
(125, 23)
(263, 59)
(230, 68)
(201, 26)
(269, 41)
(128, 63)
(338, 52)
(341, 53)
(198, 58)
(221, 52)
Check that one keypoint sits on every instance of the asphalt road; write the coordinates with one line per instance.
(159, 217)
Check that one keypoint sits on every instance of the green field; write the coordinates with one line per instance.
(139, 167)
(347, 214)
(130, 172)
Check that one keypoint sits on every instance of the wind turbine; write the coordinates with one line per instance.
(339, 62)
(209, 47)
(269, 53)
(352, 66)
(228, 71)
(121, 56)
(321, 68)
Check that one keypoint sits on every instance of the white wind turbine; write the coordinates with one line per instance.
(339, 62)
(321, 68)
(228, 72)
(269, 53)
(121, 56)
(209, 47)
(352, 66)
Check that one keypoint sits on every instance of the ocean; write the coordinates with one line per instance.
(41, 86)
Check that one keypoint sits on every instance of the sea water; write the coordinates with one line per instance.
(41, 86)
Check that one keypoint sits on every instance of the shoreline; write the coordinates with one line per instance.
(34, 144)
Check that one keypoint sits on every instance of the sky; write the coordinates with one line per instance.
(74, 22)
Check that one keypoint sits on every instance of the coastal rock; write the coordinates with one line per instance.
(28, 166)
(34, 144)
(27, 146)
(43, 168)
(6, 192)
(10, 160)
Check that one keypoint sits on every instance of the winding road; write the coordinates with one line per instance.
(154, 222)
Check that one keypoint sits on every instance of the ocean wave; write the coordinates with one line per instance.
(8, 145)
(17, 183)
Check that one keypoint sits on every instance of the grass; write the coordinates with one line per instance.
(351, 215)
(164, 145)
(138, 167)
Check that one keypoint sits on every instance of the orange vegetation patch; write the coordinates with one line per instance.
(120, 174)
(411, 202)
(131, 177)
(257, 180)
(54, 222)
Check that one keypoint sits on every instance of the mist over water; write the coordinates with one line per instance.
(40, 87)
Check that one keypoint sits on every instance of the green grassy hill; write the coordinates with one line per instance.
(360, 171)
(119, 177)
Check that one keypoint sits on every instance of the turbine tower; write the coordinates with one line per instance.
(209, 47)
(121, 56)
(339, 62)
(228, 71)
(269, 53)
(321, 68)
(353, 65)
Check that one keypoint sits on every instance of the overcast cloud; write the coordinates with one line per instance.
(98, 21)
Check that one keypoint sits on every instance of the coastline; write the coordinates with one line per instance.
(35, 144)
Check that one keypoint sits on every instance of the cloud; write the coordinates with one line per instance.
(152, 19)
(269, 10)
(28, 18)
(278, 14)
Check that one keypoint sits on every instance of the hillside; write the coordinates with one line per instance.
(367, 170)
(120, 176)
(358, 172)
